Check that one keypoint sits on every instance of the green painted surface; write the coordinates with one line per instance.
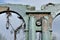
(45, 30)
(32, 31)
(21, 9)
(31, 28)
(26, 18)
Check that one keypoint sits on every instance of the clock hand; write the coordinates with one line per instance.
(18, 28)
(8, 14)
(11, 26)
(7, 24)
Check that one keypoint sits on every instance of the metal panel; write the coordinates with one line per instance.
(32, 31)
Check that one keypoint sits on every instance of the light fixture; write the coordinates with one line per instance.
(39, 22)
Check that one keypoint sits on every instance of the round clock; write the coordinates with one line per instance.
(11, 25)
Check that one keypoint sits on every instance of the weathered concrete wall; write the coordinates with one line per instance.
(21, 9)
(30, 26)
(53, 8)
(31, 8)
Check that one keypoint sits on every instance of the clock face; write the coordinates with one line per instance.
(15, 22)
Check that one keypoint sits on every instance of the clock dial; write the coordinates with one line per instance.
(10, 25)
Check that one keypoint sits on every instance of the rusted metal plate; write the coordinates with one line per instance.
(38, 16)
(44, 26)
(3, 8)
(50, 22)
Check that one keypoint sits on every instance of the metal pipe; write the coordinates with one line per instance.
(14, 35)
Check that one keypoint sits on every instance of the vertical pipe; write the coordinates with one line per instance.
(50, 26)
(14, 35)
(32, 31)
(26, 29)
(51, 36)
(45, 32)
(26, 35)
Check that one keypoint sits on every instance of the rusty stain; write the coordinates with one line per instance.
(38, 16)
